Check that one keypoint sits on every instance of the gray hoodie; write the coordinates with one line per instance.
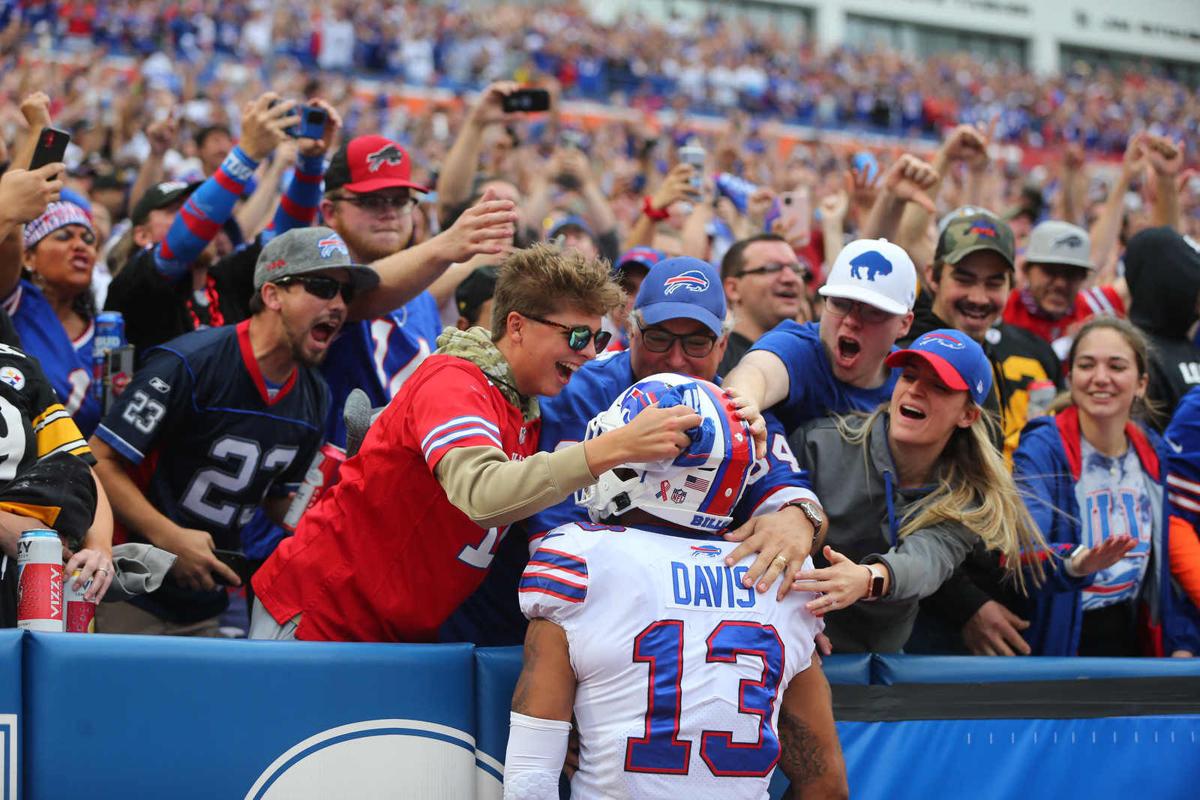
(858, 488)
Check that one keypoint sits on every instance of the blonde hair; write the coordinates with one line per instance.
(542, 279)
(974, 489)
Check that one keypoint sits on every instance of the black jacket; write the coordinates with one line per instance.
(1163, 272)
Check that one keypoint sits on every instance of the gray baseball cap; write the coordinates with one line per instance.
(1054, 242)
(304, 250)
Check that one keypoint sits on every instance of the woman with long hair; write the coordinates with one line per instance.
(1094, 476)
(52, 306)
(908, 491)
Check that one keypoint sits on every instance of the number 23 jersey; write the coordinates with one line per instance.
(680, 669)
(214, 440)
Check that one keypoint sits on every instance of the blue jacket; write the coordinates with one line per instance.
(1047, 465)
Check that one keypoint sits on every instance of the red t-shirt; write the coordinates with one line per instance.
(384, 556)
(1021, 311)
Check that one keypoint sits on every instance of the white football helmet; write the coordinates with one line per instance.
(699, 487)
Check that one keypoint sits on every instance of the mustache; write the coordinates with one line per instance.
(967, 307)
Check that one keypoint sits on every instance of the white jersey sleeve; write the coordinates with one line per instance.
(554, 585)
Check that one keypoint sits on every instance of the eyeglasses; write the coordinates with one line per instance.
(841, 307)
(378, 203)
(317, 286)
(578, 336)
(696, 345)
(775, 267)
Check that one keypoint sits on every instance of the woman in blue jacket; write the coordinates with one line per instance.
(1095, 479)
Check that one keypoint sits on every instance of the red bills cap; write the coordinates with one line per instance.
(368, 164)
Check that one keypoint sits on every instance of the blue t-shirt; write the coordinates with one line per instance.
(67, 363)
(378, 355)
(813, 391)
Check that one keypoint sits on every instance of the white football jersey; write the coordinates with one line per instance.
(681, 669)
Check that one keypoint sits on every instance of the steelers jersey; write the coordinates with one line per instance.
(680, 669)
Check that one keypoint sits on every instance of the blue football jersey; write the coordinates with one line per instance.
(66, 363)
(211, 442)
(378, 355)
(813, 391)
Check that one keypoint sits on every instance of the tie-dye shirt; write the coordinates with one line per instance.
(1113, 500)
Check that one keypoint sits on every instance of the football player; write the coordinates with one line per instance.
(681, 679)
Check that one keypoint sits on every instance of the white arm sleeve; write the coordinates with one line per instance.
(536, 751)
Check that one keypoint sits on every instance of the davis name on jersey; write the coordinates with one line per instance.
(680, 669)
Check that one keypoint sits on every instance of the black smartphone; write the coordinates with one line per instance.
(51, 147)
(526, 101)
(312, 122)
(235, 561)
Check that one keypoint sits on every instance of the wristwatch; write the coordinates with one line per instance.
(812, 511)
(875, 585)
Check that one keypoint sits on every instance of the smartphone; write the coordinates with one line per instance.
(573, 138)
(235, 561)
(694, 154)
(526, 101)
(51, 147)
(795, 212)
(312, 122)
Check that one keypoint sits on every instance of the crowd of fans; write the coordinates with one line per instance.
(187, 198)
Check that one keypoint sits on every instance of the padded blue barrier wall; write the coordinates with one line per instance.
(1031, 759)
(129, 716)
(137, 716)
(887, 670)
(11, 744)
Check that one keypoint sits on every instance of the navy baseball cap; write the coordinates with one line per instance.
(958, 360)
(682, 288)
(570, 221)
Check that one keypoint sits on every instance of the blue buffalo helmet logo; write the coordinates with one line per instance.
(942, 339)
(710, 550)
(873, 261)
(692, 280)
(389, 154)
(332, 244)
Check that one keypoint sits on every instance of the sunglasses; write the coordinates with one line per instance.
(696, 345)
(841, 307)
(317, 286)
(578, 336)
(775, 267)
(378, 203)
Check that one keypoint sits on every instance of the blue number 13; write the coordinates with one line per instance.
(660, 750)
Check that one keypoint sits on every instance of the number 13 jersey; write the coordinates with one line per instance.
(680, 668)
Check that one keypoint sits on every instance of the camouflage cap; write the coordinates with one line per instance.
(970, 230)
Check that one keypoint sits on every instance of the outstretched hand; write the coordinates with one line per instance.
(841, 584)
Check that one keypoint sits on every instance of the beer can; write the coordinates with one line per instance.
(322, 473)
(81, 613)
(40, 581)
(109, 335)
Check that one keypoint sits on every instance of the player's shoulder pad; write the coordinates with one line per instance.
(555, 581)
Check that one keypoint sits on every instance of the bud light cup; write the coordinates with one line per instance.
(40, 581)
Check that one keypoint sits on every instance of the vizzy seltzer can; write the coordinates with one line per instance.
(81, 612)
(40, 581)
